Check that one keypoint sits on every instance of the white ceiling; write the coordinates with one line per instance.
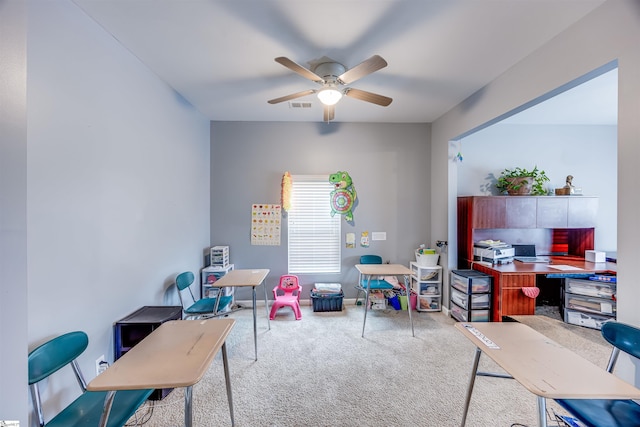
(219, 54)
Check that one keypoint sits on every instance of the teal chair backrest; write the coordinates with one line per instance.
(86, 409)
(184, 280)
(623, 338)
(370, 259)
(53, 355)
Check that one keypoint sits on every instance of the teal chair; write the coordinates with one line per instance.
(204, 307)
(86, 410)
(375, 284)
(604, 412)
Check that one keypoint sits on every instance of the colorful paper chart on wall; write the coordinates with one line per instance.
(265, 224)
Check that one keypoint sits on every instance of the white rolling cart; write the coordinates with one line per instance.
(426, 282)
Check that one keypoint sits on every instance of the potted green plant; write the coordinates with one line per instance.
(520, 181)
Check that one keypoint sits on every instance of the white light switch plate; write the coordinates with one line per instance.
(379, 235)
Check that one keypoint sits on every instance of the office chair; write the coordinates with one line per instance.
(604, 412)
(204, 307)
(375, 284)
(86, 410)
(287, 294)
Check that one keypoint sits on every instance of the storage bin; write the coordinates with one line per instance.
(426, 303)
(377, 301)
(427, 260)
(326, 302)
(470, 281)
(590, 288)
(588, 320)
(590, 304)
(463, 315)
(477, 301)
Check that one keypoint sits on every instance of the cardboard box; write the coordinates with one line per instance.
(595, 256)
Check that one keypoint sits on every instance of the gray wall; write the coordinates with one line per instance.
(589, 153)
(118, 187)
(607, 34)
(13, 211)
(389, 164)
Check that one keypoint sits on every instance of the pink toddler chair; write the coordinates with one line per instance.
(287, 293)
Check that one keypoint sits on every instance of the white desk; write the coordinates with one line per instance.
(176, 354)
(541, 365)
(369, 270)
(253, 278)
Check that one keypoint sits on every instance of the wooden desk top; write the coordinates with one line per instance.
(242, 278)
(544, 367)
(517, 267)
(177, 354)
(383, 269)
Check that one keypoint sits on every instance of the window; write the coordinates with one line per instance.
(314, 235)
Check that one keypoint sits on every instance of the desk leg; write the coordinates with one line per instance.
(408, 292)
(106, 409)
(227, 380)
(255, 326)
(217, 304)
(542, 411)
(366, 304)
(266, 304)
(188, 415)
(472, 380)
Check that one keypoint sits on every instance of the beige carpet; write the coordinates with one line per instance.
(319, 372)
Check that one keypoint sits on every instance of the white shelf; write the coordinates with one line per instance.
(426, 282)
(209, 276)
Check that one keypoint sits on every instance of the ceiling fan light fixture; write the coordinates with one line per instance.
(329, 96)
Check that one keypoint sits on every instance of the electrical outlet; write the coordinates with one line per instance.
(101, 365)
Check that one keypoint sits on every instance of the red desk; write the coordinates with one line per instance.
(509, 279)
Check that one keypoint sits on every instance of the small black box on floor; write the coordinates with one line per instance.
(327, 301)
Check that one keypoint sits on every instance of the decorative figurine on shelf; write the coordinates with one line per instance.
(343, 196)
(569, 185)
(570, 189)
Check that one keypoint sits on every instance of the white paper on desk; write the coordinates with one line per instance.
(565, 267)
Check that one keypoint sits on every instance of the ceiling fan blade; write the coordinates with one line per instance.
(304, 72)
(292, 96)
(374, 98)
(329, 112)
(362, 69)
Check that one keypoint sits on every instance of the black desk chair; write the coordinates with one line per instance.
(603, 412)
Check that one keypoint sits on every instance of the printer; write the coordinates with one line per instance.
(493, 251)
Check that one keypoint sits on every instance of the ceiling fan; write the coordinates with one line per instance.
(331, 75)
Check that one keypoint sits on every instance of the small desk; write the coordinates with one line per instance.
(253, 278)
(541, 365)
(177, 354)
(508, 280)
(385, 270)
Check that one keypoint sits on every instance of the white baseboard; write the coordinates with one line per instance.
(303, 302)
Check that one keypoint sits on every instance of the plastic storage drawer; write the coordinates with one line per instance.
(477, 300)
(428, 303)
(590, 304)
(591, 288)
(423, 274)
(463, 315)
(470, 281)
(593, 321)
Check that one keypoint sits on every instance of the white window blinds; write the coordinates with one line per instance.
(314, 235)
